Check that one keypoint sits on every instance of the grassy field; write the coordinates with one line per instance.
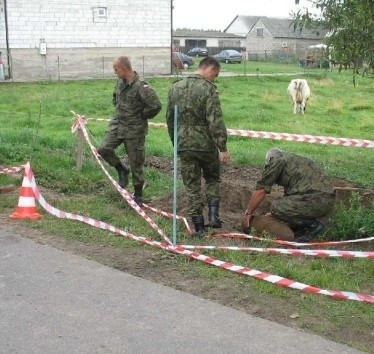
(36, 120)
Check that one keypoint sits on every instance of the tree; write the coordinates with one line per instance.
(350, 25)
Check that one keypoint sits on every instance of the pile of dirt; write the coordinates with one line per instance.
(237, 183)
(236, 186)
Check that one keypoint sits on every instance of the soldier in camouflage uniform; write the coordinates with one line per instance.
(135, 102)
(202, 138)
(308, 193)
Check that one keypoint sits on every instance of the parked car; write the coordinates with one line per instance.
(198, 52)
(182, 61)
(229, 56)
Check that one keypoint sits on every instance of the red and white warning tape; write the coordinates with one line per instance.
(280, 281)
(293, 252)
(169, 215)
(9, 170)
(290, 243)
(274, 279)
(80, 124)
(310, 139)
(80, 121)
(325, 140)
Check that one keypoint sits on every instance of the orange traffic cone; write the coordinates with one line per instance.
(26, 208)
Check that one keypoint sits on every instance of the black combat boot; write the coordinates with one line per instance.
(138, 194)
(310, 230)
(198, 221)
(214, 221)
(123, 174)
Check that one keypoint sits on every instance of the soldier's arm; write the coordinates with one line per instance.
(152, 104)
(256, 198)
(170, 117)
(215, 120)
(114, 98)
(263, 186)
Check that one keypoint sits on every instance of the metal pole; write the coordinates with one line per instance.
(10, 69)
(175, 139)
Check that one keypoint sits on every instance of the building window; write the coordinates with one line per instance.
(260, 32)
(99, 14)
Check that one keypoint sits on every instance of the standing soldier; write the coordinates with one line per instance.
(202, 138)
(135, 103)
(308, 195)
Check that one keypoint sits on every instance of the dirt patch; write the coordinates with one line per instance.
(236, 185)
(167, 269)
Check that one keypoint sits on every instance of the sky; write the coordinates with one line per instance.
(218, 14)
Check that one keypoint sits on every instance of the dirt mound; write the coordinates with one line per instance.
(236, 186)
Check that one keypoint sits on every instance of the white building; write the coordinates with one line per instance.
(68, 39)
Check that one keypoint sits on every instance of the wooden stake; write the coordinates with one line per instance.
(80, 138)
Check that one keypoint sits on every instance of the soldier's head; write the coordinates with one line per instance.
(271, 154)
(209, 68)
(122, 67)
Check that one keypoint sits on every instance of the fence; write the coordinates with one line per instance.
(29, 65)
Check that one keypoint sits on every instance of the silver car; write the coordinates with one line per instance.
(229, 56)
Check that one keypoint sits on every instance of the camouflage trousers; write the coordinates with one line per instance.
(197, 164)
(135, 151)
(293, 209)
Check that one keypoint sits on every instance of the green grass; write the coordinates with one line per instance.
(36, 120)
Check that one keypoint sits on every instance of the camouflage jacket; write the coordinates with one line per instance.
(135, 102)
(297, 174)
(200, 123)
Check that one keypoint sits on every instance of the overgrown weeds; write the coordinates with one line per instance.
(352, 221)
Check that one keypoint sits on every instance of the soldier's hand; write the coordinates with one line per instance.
(245, 222)
(224, 156)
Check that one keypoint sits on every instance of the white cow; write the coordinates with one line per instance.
(299, 91)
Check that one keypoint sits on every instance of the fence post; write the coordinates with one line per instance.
(80, 139)
(58, 68)
(103, 64)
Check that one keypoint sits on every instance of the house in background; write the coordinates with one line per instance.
(273, 37)
(214, 41)
(66, 39)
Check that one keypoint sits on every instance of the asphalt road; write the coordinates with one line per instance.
(55, 302)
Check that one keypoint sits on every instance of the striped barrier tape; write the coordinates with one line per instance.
(9, 170)
(310, 139)
(293, 252)
(79, 120)
(169, 215)
(80, 124)
(290, 243)
(84, 120)
(274, 279)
